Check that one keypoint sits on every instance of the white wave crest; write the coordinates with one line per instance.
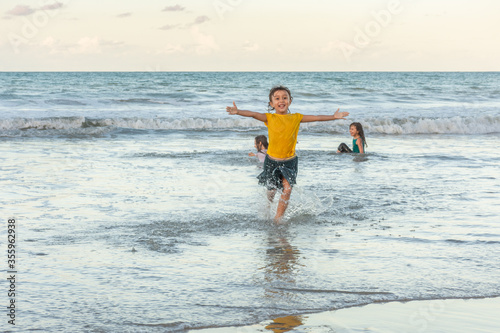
(453, 125)
(60, 123)
(177, 124)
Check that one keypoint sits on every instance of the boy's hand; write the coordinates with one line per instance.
(340, 115)
(232, 109)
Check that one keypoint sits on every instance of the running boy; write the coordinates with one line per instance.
(281, 164)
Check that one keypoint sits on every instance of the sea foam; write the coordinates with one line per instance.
(391, 126)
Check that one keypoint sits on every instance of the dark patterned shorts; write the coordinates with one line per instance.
(274, 172)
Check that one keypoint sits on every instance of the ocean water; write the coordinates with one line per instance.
(138, 209)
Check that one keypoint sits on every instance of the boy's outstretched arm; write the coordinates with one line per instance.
(336, 115)
(257, 115)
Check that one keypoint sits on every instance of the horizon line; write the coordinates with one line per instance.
(250, 71)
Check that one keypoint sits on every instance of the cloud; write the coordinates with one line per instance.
(54, 46)
(169, 27)
(250, 47)
(111, 43)
(53, 6)
(201, 19)
(205, 44)
(171, 48)
(49, 42)
(123, 15)
(197, 21)
(93, 45)
(176, 8)
(21, 10)
(85, 45)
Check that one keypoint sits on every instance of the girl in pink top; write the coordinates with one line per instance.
(261, 146)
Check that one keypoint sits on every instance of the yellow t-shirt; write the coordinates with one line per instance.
(283, 130)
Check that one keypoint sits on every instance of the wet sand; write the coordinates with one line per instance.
(453, 315)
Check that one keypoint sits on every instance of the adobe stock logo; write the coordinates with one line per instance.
(363, 36)
(33, 20)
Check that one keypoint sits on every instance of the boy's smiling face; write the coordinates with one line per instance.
(280, 101)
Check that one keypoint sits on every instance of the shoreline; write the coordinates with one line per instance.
(438, 315)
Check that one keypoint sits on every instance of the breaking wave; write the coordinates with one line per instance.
(390, 126)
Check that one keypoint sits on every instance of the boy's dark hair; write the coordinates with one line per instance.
(359, 128)
(275, 89)
(261, 139)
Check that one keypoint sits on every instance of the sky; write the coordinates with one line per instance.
(249, 35)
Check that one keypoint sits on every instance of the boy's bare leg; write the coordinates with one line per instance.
(283, 203)
(270, 198)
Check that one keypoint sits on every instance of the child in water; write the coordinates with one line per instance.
(358, 141)
(281, 164)
(261, 145)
